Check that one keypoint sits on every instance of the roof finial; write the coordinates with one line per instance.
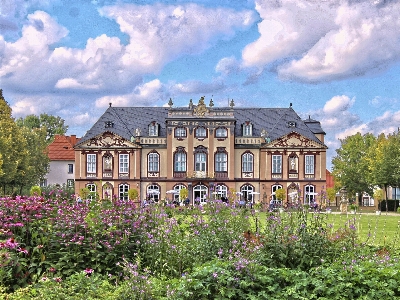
(191, 104)
(170, 103)
(290, 104)
(110, 104)
(232, 104)
(211, 102)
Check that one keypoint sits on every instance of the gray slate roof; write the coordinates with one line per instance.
(273, 120)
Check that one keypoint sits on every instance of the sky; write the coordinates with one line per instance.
(336, 61)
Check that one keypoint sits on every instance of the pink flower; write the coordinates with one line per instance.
(11, 243)
(88, 271)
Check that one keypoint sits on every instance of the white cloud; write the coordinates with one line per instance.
(325, 40)
(161, 33)
(338, 104)
(197, 87)
(228, 65)
(145, 94)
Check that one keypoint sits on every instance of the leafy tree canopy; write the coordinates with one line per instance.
(53, 125)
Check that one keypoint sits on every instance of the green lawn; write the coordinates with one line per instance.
(375, 229)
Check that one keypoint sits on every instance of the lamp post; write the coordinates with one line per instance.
(190, 193)
(343, 200)
(212, 191)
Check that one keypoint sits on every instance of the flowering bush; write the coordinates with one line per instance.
(168, 252)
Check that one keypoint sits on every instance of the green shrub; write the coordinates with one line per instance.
(35, 191)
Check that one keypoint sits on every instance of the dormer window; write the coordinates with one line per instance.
(291, 124)
(153, 129)
(247, 129)
(109, 124)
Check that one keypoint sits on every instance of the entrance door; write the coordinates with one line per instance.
(199, 194)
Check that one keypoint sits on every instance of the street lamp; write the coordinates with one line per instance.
(343, 200)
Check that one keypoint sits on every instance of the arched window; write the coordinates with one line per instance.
(274, 188)
(221, 190)
(92, 191)
(247, 162)
(153, 159)
(247, 191)
(221, 160)
(200, 193)
(221, 132)
(177, 189)
(153, 193)
(123, 191)
(309, 194)
(107, 191)
(180, 160)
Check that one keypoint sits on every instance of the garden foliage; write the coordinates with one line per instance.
(57, 248)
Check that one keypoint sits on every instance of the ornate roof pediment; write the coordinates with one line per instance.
(108, 140)
(294, 140)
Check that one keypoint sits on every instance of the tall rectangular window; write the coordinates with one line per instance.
(277, 164)
(70, 168)
(309, 164)
(70, 183)
(180, 162)
(200, 161)
(153, 162)
(221, 162)
(247, 162)
(91, 163)
(123, 191)
(123, 163)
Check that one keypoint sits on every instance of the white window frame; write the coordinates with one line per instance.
(201, 132)
(180, 132)
(247, 130)
(221, 162)
(221, 132)
(70, 183)
(180, 158)
(276, 164)
(221, 190)
(153, 129)
(200, 161)
(308, 199)
(123, 159)
(274, 188)
(309, 164)
(91, 162)
(92, 191)
(123, 189)
(153, 160)
(247, 162)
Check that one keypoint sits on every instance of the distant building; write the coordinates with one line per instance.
(62, 161)
(214, 152)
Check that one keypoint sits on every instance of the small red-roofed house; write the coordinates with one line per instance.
(62, 161)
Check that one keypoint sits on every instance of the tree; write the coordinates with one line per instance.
(280, 194)
(36, 164)
(53, 125)
(351, 166)
(12, 147)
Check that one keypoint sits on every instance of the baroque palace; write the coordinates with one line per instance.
(212, 151)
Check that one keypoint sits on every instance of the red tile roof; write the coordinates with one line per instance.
(62, 147)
